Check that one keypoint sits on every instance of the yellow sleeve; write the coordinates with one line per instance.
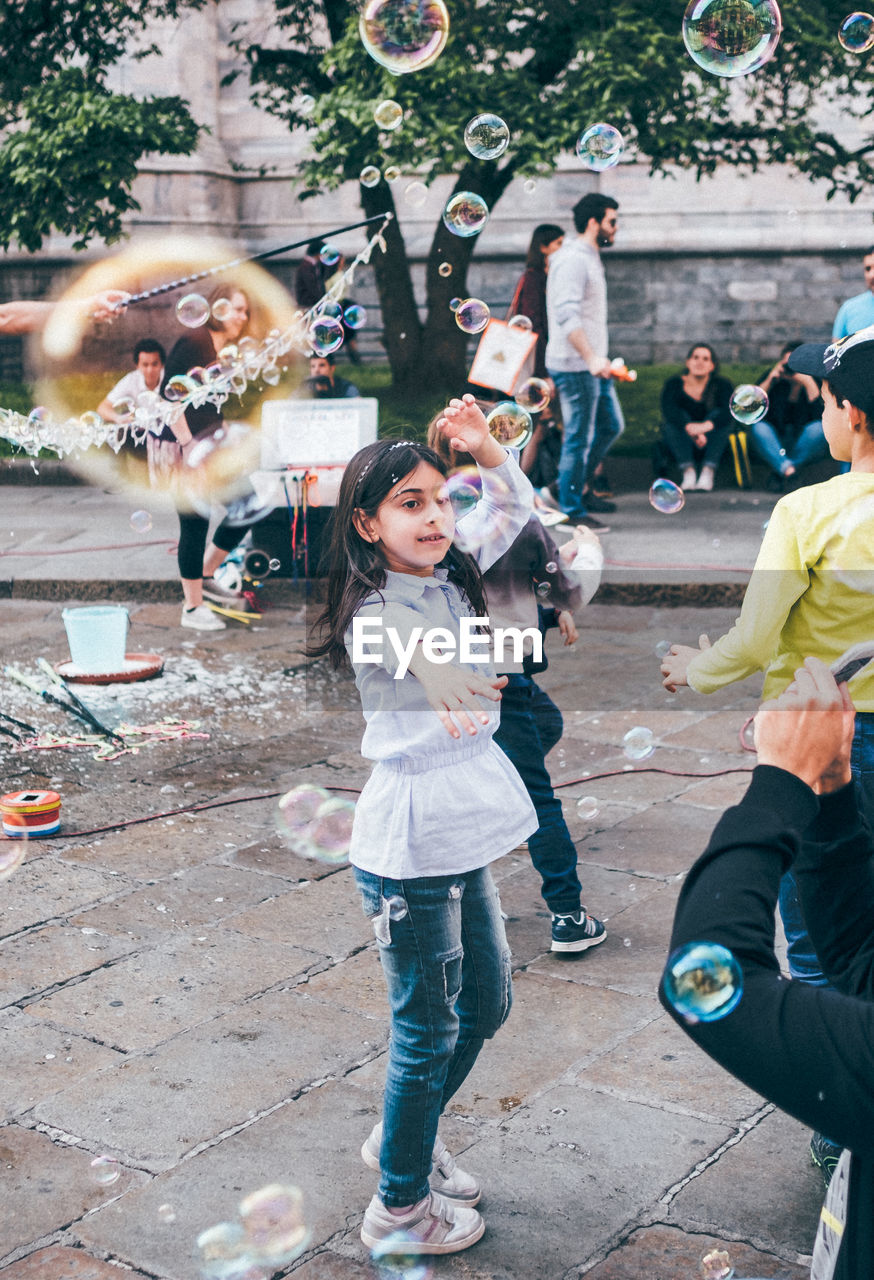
(780, 576)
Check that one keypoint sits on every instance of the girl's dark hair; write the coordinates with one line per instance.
(709, 397)
(357, 568)
(540, 237)
(224, 291)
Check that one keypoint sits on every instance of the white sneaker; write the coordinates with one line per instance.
(223, 595)
(450, 1181)
(201, 618)
(688, 481)
(705, 480)
(434, 1225)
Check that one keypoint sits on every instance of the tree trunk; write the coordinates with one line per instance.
(402, 330)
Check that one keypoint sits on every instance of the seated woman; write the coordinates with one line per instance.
(695, 417)
(790, 435)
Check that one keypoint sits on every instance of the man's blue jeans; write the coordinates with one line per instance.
(810, 446)
(592, 422)
(531, 725)
(803, 962)
(447, 969)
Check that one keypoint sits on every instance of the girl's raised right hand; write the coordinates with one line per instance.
(453, 690)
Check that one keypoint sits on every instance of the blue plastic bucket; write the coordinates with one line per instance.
(97, 635)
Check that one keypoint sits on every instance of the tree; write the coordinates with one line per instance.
(549, 68)
(68, 145)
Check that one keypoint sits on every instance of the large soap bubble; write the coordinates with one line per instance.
(731, 37)
(600, 147)
(404, 35)
(397, 1257)
(856, 33)
(510, 424)
(533, 394)
(192, 310)
(703, 981)
(748, 404)
(326, 335)
(472, 315)
(465, 214)
(388, 115)
(369, 176)
(486, 136)
(274, 1226)
(665, 496)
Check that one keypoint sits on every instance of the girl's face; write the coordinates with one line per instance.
(550, 248)
(700, 363)
(414, 523)
(233, 326)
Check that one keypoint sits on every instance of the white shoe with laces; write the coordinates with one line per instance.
(213, 590)
(201, 618)
(450, 1181)
(688, 481)
(705, 480)
(435, 1225)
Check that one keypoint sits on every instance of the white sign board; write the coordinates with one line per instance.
(314, 433)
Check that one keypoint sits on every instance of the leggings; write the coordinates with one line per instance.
(193, 530)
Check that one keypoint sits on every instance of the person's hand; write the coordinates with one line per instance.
(452, 690)
(693, 429)
(108, 305)
(808, 730)
(676, 663)
(464, 425)
(601, 367)
(580, 537)
(705, 427)
(567, 627)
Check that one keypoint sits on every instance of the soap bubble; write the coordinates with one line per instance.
(587, 808)
(520, 322)
(731, 37)
(551, 566)
(105, 1171)
(388, 114)
(369, 176)
(663, 648)
(332, 308)
(392, 173)
(445, 269)
(166, 1214)
(703, 981)
(222, 309)
(397, 907)
(533, 395)
(298, 807)
(192, 310)
(325, 335)
(849, 549)
(529, 186)
(330, 833)
(748, 404)
(486, 136)
(455, 303)
(141, 521)
(472, 315)
(638, 743)
(465, 214)
(510, 424)
(124, 407)
(716, 1265)
(543, 589)
(273, 1223)
(666, 496)
(404, 35)
(329, 255)
(464, 489)
(600, 147)
(355, 316)
(271, 373)
(416, 194)
(304, 104)
(12, 854)
(397, 1258)
(856, 33)
(224, 1252)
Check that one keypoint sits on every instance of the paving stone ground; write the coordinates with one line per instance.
(191, 998)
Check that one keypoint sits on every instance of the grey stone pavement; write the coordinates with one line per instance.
(188, 996)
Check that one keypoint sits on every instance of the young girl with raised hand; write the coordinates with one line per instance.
(442, 802)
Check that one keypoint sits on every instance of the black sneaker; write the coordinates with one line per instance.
(590, 522)
(600, 506)
(576, 932)
(825, 1154)
(601, 486)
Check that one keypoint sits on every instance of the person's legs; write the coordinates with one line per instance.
(530, 726)
(767, 445)
(578, 396)
(680, 444)
(811, 445)
(193, 529)
(609, 425)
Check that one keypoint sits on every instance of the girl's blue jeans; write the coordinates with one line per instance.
(803, 962)
(447, 969)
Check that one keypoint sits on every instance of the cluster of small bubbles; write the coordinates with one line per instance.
(856, 33)
(486, 136)
(141, 521)
(748, 404)
(166, 1214)
(369, 176)
(105, 1171)
(445, 269)
(124, 408)
(304, 104)
(192, 310)
(397, 1258)
(703, 981)
(638, 743)
(465, 214)
(388, 114)
(11, 854)
(329, 255)
(397, 907)
(404, 35)
(551, 566)
(510, 424)
(520, 322)
(665, 496)
(731, 37)
(600, 147)
(716, 1265)
(849, 549)
(663, 648)
(315, 824)
(587, 808)
(533, 394)
(325, 335)
(464, 490)
(415, 194)
(543, 589)
(472, 315)
(455, 303)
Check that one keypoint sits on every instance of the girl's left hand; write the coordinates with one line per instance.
(567, 627)
(464, 423)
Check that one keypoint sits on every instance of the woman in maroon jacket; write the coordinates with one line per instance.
(530, 296)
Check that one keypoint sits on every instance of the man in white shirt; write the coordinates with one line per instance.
(576, 355)
(146, 375)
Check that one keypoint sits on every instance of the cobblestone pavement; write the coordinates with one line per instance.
(189, 997)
